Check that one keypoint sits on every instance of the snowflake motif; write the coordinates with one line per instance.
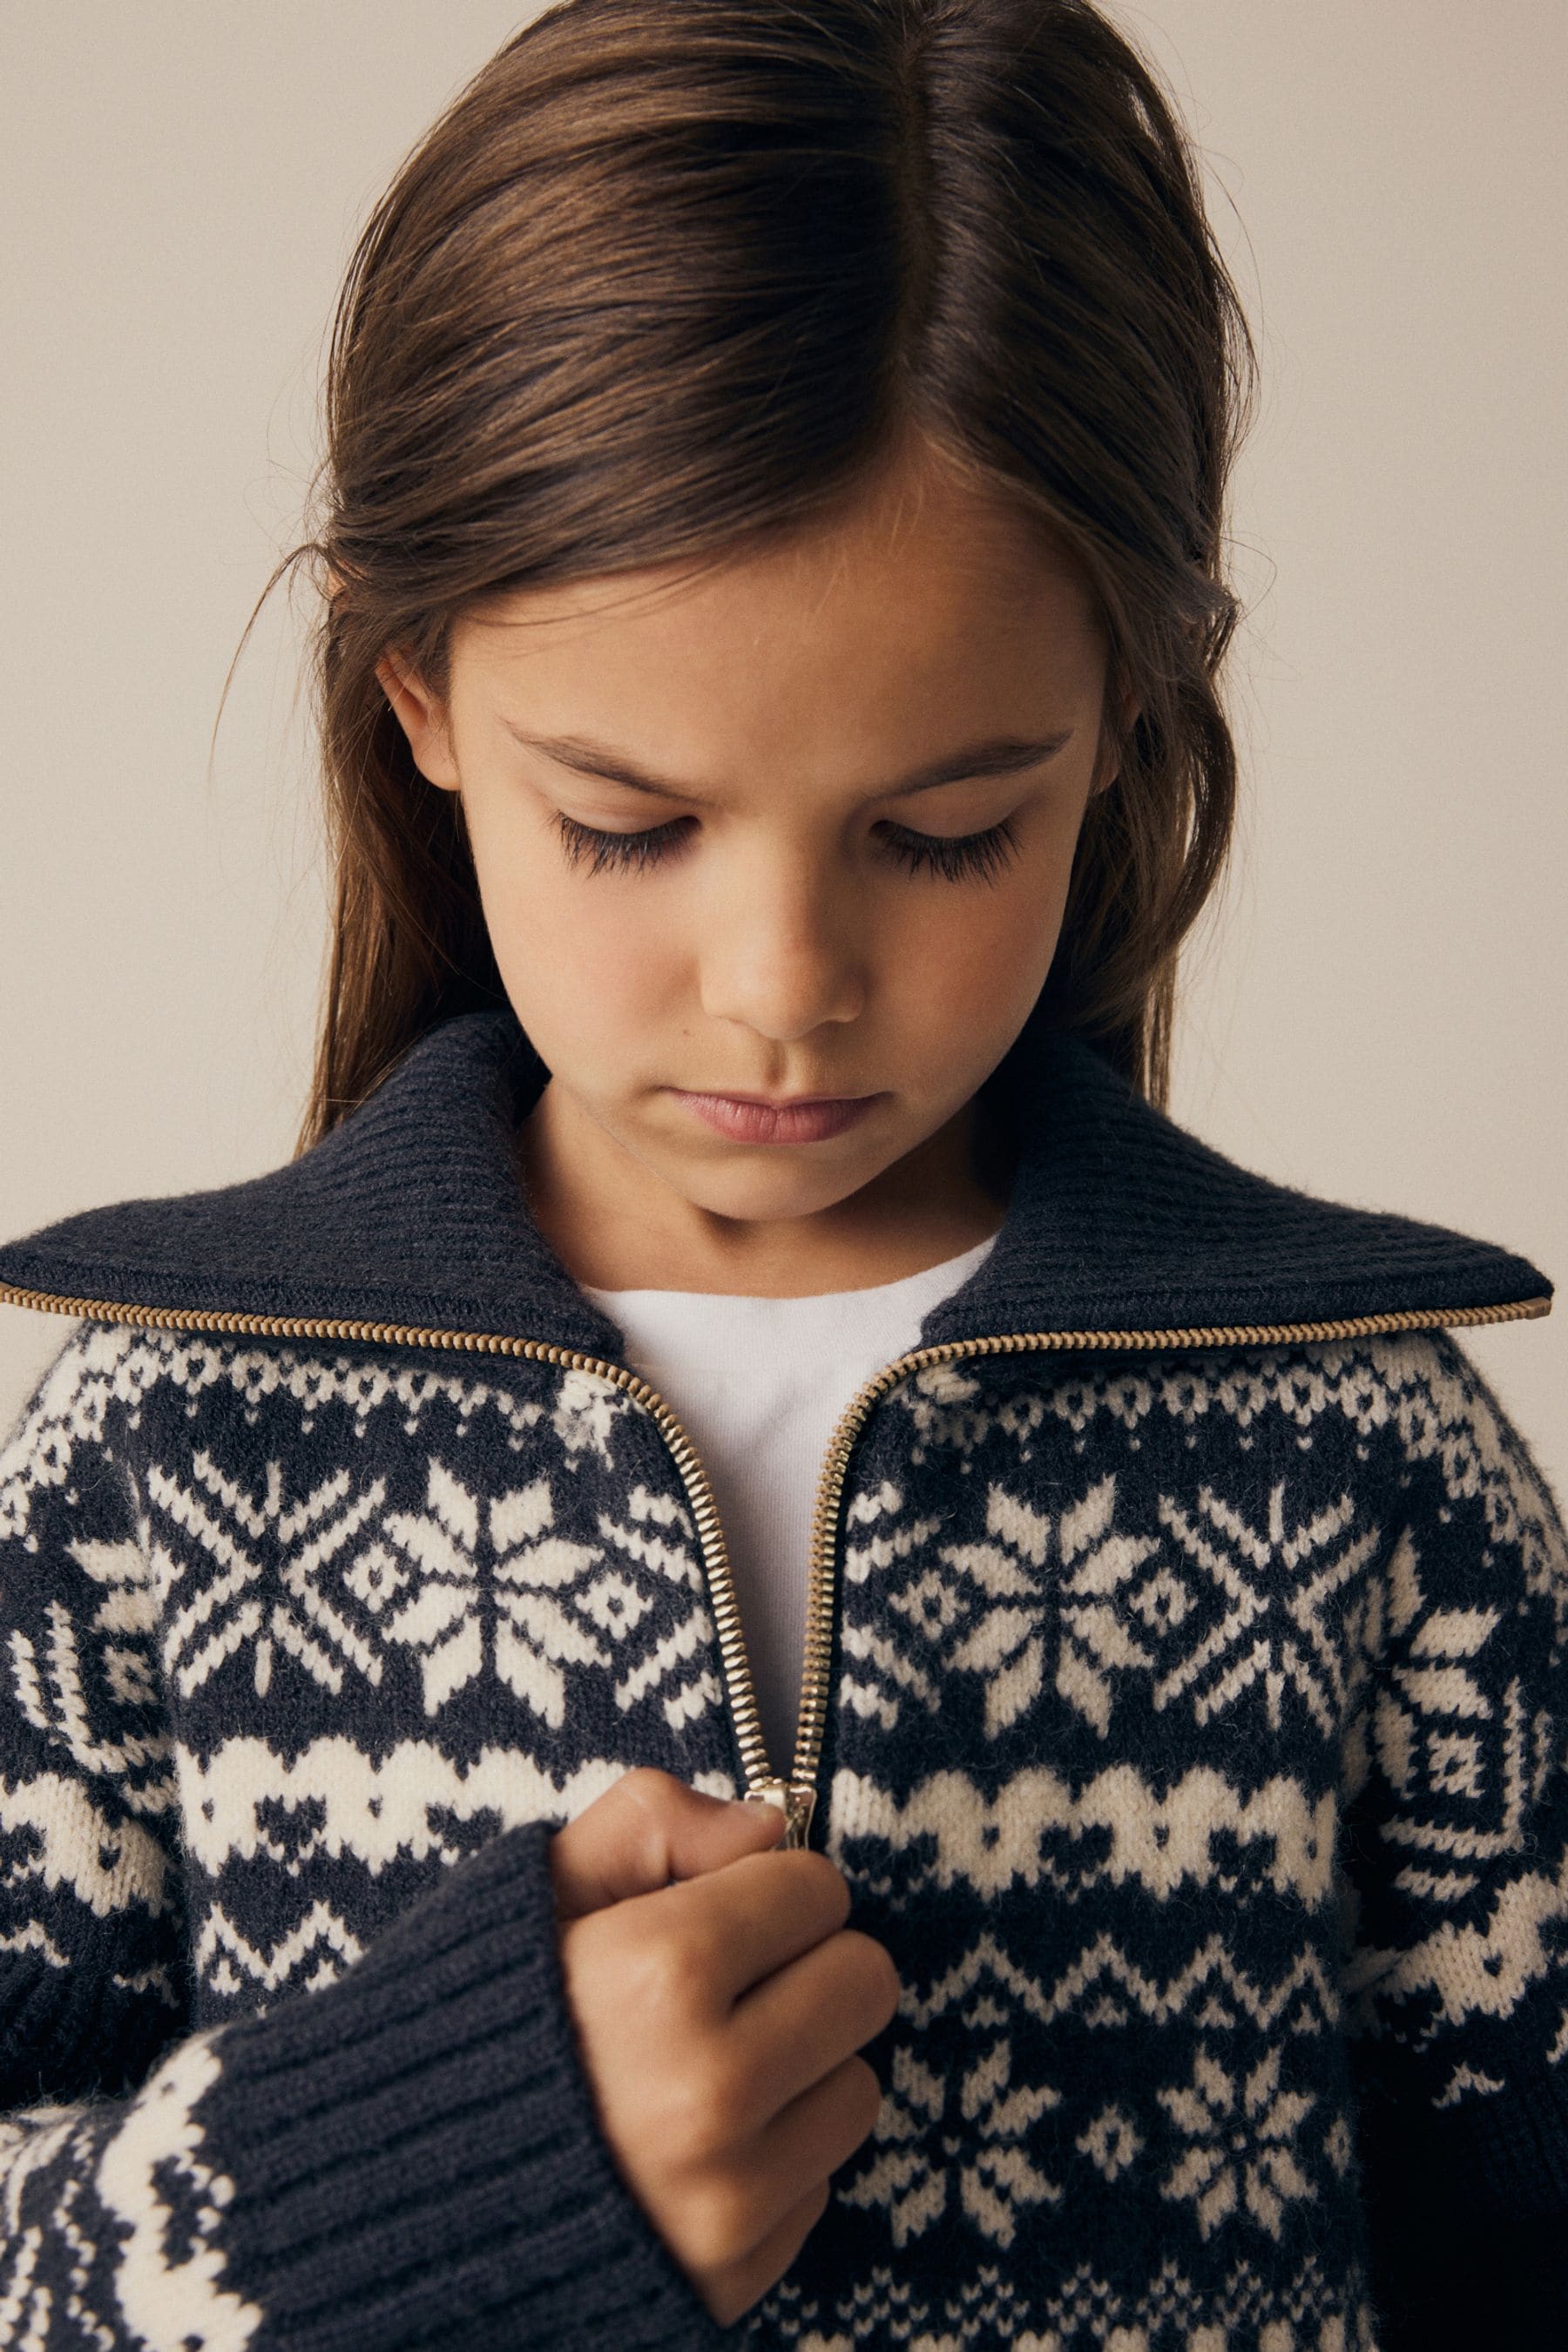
(1238, 2151)
(239, 1534)
(537, 1623)
(1006, 1643)
(1275, 1589)
(1001, 2179)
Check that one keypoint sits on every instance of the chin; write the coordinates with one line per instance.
(760, 1196)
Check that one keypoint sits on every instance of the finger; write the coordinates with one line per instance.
(738, 1925)
(730, 2291)
(802, 2022)
(648, 1829)
(810, 2139)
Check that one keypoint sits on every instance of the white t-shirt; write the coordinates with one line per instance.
(760, 1385)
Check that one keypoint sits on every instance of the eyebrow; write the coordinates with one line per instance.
(999, 755)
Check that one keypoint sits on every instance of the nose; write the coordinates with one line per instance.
(783, 948)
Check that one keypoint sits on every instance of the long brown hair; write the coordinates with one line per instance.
(670, 276)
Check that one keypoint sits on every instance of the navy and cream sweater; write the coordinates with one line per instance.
(1193, 1729)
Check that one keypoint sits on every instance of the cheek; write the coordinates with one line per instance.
(585, 968)
(974, 967)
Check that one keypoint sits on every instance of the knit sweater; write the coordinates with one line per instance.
(1195, 1707)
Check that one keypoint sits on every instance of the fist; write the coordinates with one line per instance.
(719, 2001)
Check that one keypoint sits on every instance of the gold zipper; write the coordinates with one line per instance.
(797, 1794)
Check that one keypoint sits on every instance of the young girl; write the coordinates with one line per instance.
(741, 1326)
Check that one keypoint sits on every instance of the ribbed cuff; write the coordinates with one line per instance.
(415, 2152)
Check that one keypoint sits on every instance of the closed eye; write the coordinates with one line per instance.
(954, 857)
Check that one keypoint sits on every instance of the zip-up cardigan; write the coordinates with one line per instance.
(1185, 1703)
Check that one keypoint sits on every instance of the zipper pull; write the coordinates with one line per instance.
(796, 1801)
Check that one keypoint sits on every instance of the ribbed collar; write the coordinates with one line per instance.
(410, 1213)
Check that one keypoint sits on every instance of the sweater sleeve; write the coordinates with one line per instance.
(1456, 1869)
(407, 2155)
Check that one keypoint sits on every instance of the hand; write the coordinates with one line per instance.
(718, 2017)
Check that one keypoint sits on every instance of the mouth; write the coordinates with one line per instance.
(767, 1118)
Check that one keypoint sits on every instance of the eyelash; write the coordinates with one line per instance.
(962, 856)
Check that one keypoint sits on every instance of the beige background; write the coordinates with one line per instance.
(1379, 1014)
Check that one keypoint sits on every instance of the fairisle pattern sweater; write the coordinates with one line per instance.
(1197, 1748)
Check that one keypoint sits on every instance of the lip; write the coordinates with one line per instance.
(763, 1118)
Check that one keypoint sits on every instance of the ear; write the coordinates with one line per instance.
(423, 718)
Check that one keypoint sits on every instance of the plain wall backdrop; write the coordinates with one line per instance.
(1378, 1012)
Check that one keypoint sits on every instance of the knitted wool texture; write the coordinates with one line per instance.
(1196, 1748)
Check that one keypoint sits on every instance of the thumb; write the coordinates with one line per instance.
(645, 1830)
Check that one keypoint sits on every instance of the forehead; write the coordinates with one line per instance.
(914, 620)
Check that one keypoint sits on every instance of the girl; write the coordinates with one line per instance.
(740, 1325)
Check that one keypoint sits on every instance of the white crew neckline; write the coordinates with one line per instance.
(889, 1293)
